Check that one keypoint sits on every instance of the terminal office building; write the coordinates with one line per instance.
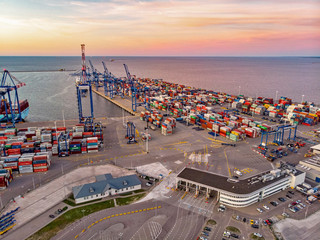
(239, 193)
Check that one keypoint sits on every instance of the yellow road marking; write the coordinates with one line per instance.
(128, 212)
(140, 210)
(83, 230)
(104, 218)
(112, 215)
(76, 236)
(120, 214)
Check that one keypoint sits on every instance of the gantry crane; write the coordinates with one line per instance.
(94, 75)
(10, 105)
(84, 88)
(137, 90)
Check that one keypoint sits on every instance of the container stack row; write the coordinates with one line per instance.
(180, 100)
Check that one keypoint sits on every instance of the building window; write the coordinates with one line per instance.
(97, 195)
(126, 188)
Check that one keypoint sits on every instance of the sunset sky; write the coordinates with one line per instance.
(160, 27)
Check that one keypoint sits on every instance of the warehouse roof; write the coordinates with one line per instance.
(104, 183)
(219, 182)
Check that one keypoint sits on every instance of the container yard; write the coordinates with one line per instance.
(213, 131)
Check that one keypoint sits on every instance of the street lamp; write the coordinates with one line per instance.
(276, 96)
(83, 211)
(239, 90)
(147, 137)
(302, 98)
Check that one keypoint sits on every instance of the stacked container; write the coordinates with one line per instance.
(92, 144)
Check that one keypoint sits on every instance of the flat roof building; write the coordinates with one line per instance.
(312, 168)
(239, 193)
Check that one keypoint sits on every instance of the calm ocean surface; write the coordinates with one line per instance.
(50, 94)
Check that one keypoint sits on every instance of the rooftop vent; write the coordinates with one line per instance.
(91, 189)
(125, 183)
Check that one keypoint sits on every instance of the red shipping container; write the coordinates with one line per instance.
(40, 165)
(40, 170)
(40, 157)
(25, 163)
(14, 151)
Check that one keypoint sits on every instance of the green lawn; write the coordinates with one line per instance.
(71, 203)
(139, 191)
(128, 200)
(62, 221)
(233, 229)
(211, 222)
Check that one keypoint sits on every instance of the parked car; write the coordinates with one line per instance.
(291, 192)
(285, 214)
(295, 208)
(257, 235)
(255, 226)
(259, 210)
(51, 216)
(234, 235)
(281, 199)
(299, 206)
(274, 203)
(149, 184)
(244, 220)
(298, 201)
(205, 233)
(266, 207)
(303, 205)
(288, 196)
(207, 229)
(221, 208)
(292, 209)
(203, 238)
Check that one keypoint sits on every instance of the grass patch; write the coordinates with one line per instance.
(128, 200)
(62, 221)
(233, 229)
(69, 202)
(125, 194)
(73, 204)
(139, 191)
(211, 222)
(255, 237)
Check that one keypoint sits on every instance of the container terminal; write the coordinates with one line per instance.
(202, 144)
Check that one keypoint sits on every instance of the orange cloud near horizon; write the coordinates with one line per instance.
(160, 28)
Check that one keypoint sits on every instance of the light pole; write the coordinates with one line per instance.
(239, 90)
(83, 211)
(276, 95)
(302, 98)
(34, 186)
(147, 137)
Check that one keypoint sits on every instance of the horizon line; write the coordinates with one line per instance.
(309, 56)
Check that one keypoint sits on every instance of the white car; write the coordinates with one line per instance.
(285, 214)
(266, 207)
(259, 210)
(303, 205)
(257, 235)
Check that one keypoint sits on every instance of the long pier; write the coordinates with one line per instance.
(31, 71)
(127, 109)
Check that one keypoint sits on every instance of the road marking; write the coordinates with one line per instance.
(120, 214)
